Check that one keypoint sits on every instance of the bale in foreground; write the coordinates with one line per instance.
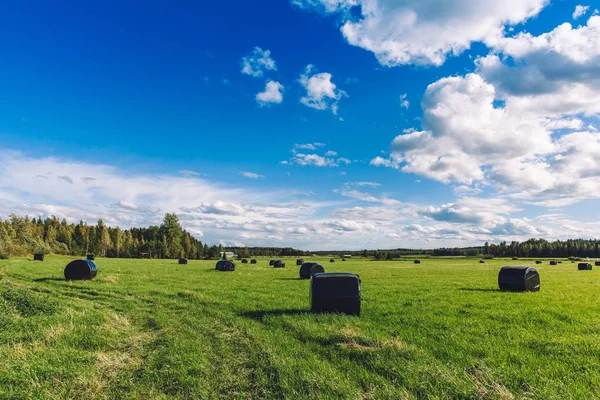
(519, 279)
(38, 257)
(584, 267)
(335, 292)
(309, 269)
(225, 265)
(78, 270)
(183, 260)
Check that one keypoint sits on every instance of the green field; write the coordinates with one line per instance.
(155, 329)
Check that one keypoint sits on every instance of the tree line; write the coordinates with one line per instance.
(20, 236)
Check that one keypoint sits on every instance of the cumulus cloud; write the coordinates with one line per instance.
(404, 103)
(309, 146)
(321, 92)
(273, 94)
(251, 175)
(423, 32)
(256, 63)
(580, 11)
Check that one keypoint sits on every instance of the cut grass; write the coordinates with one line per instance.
(157, 329)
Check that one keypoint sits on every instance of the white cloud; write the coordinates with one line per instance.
(331, 153)
(580, 11)
(251, 175)
(424, 32)
(321, 92)
(257, 62)
(314, 160)
(309, 146)
(273, 94)
(404, 103)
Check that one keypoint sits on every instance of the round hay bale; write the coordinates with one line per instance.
(332, 260)
(309, 269)
(78, 270)
(481, 262)
(519, 279)
(279, 264)
(597, 263)
(538, 261)
(299, 261)
(417, 261)
(343, 259)
(584, 267)
(38, 257)
(225, 265)
(271, 263)
(335, 292)
(183, 260)
(553, 262)
(91, 257)
(252, 261)
(515, 258)
(244, 261)
(560, 262)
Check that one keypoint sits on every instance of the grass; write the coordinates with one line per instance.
(156, 329)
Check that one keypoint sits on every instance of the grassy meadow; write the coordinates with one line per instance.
(153, 329)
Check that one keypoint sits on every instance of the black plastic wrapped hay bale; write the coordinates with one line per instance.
(244, 261)
(538, 261)
(252, 261)
(332, 260)
(553, 262)
(335, 292)
(584, 267)
(519, 279)
(309, 269)
(597, 263)
(91, 257)
(417, 261)
(279, 264)
(299, 261)
(343, 259)
(183, 260)
(515, 258)
(225, 265)
(38, 257)
(78, 270)
(560, 262)
(271, 263)
(481, 262)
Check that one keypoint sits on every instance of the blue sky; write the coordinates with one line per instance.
(308, 123)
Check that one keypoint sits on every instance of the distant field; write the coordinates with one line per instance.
(155, 329)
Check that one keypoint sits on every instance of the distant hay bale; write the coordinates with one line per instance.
(299, 261)
(253, 261)
(309, 269)
(271, 263)
(597, 263)
(183, 260)
(91, 257)
(553, 262)
(279, 264)
(225, 265)
(244, 261)
(343, 259)
(38, 257)
(519, 279)
(332, 260)
(335, 292)
(78, 270)
(417, 261)
(481, 262)
(560, 262)
(515, 258)
(584, 266)
(538, 261)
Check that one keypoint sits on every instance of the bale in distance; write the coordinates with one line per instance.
(417, 261)
(343, 259)
(481, 262)
(309, 269)
(332, 260)
(584, 267)
(244, 261)
(38, 257)
(515, 258)
(560, 262)
(279, 264)
(519, 279)
(597, 263)
(91, 257)
(299, 261)
(271, 263)
(538, 261)
(335, 292)
(183, 260)
(253, 261)
(225, 265)
(78, 270)
(553, 262)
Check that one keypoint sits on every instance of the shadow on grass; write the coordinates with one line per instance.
(289, 279)
(260, 315)
(49, 279)
(479, 290)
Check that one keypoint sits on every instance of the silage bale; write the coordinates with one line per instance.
(553, 262)
(584, 266)
(225, 265)
(80, 270)
(38, 257)
(519, 279)
(244, 261)
(417, 261)
(332, 260)
(335, 292)
(299, 261)
(279, 264)
(271, 263)
(253, 261)
(91, 257)
(309, 269)
(183, 260)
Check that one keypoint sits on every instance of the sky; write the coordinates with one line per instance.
(315, 124)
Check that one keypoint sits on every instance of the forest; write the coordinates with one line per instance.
(22, 236)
